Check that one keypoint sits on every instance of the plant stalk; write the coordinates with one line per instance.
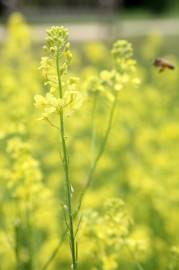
(98, 156)
(93, 128)
(66, 174)
(55, 251)
(17, 251)
(30, 238)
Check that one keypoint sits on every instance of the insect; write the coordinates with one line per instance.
(163, 64)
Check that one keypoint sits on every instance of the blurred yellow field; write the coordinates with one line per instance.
(89, 155)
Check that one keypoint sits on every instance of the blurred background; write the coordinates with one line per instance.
(98, 19)
(140, 164)
(114, 6)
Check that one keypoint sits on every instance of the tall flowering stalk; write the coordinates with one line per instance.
(108, 84)
(63, 98)
(60, 100)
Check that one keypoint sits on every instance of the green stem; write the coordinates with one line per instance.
(98, 157)
(93, 128)
(55, 252)
(17, 251)
(138, 264)
(30, 238)
(66, 173)
(17, 232)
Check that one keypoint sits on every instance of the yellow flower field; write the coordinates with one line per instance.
(89, 144)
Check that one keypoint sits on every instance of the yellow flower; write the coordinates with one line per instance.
(40, 101)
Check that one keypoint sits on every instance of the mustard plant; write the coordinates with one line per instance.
(63, 97)
(26, 193)
(61, 100)
(21, 181)
(108, 84)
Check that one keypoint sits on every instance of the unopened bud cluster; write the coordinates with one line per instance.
(57, 43)
(57, 39)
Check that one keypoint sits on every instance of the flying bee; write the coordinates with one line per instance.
(163, 64)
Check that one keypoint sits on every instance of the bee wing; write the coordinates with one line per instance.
(170, 60)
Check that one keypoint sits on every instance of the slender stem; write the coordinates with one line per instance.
(93, 128)
(54, 252)
(30, 238)
(17, 251)
(99, 155)
(17, 234)
(138, 264)
(66, 173)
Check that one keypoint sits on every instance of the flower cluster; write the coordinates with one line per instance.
(109, 82)
(111, 224)
(23, 205)
(51, 104)
(54, 67)
(109, 228)
(57, 44)
(24, 181)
